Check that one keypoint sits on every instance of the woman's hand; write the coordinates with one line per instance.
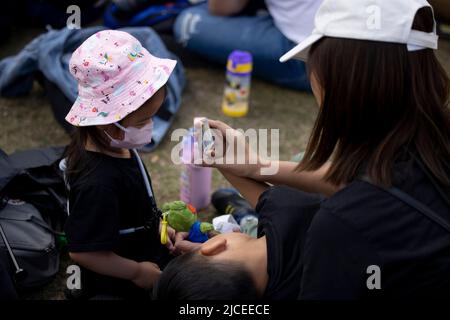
(242, 160)
(147, 274)
(184, 246)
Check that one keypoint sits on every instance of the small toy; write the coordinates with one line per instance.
(183, 218)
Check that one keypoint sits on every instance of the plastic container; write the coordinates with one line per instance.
(195, 181)
(237, 88)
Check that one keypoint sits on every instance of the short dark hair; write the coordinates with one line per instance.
(379, 99)
(193, 276)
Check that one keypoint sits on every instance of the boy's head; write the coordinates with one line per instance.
(217, 271)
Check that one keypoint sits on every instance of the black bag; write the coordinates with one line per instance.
(32, 214)
(7, 288)
(37, 179)
(30, 242)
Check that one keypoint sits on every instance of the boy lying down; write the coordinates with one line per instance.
(236, 266)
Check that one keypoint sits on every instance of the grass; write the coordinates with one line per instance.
(27, 122)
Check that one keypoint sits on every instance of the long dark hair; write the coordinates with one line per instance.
(76, 154)
(378, 99)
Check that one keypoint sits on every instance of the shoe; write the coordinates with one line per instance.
(229, 201)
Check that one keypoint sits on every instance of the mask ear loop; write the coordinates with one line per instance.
(111, 138)
(118, 126)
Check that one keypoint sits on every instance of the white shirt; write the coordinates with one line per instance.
(294, 18)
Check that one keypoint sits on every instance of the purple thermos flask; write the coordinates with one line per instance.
(195, 181)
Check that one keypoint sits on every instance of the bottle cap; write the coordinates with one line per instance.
(240, 62)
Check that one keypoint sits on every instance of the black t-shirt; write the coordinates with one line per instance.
(364, 226)
(322, 251)
(110, 196)
(284, 217)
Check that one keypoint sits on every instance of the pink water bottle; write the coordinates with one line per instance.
(195, 181)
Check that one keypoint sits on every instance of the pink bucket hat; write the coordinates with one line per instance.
(116, 76)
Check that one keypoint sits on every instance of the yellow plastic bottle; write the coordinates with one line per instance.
(237, 88)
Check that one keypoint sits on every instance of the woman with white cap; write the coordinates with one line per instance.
(379, 152)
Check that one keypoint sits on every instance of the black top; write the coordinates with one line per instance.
(284, 217)
(362, 226)
(108, 197)
(322, 251)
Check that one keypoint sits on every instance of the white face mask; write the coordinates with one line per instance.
(134, 138)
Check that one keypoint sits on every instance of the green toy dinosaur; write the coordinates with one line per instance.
(183, 218)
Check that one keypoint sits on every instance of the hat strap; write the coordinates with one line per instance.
(423, 39)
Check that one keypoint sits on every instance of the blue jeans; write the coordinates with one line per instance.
(216, 37)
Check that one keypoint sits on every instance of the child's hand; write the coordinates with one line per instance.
(184, 246)
(147, 274)
(170, 237)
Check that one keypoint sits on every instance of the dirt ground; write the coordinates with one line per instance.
(27, 122)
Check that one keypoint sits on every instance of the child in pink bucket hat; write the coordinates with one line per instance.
(116, 76)
(113, 224)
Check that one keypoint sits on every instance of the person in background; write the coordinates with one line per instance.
(215, 29)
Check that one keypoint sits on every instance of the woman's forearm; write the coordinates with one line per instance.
(308, 181)
(226, 7)
(107, 263)
(248, 188)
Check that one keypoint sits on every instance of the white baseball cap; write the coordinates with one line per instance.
(374, 20)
